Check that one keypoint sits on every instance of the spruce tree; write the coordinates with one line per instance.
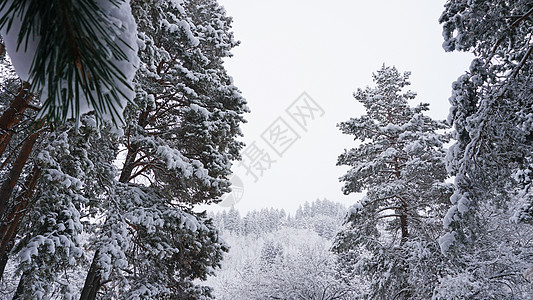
(390, 235)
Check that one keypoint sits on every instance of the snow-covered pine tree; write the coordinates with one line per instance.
(150, 222)
(390, 238)
(270, 252)
(76, 166)
(180, 138)
(79, 56)
(233, 221)
(491, 114)
(491, 110)
(77, 62)
(323, 216)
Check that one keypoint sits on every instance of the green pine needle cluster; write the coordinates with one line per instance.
(71, 61)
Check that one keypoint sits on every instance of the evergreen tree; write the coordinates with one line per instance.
(50, 247)
(491, 114)
(180, 136)
(390, 236)
(78, 56)
(233, 221)
(491, 110)
(180, 139)
(270, 253)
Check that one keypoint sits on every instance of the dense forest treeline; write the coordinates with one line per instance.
(274, 255)
(322, 216)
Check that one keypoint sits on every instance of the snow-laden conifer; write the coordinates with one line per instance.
(491, 114)
(179, 141)
(390, 238)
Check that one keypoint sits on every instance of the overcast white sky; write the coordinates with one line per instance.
(327, 49)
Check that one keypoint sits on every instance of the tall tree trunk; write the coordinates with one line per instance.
(12, 115)
(17, 213)
(10, 225)
(128, 167)
(403, 223)
(403, 207)
(133, 150)
(19, 293)
(9, 184)
(93, 280)
(9, 118)
(3, 260)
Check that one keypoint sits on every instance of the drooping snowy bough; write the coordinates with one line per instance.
(491, 159)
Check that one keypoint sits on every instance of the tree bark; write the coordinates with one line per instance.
(403, 224)
(92, 281)
(128, 167)
(19, 293)
(403, 210)
(9, 184)
(12, 115)
(9, 226)
(3, 261)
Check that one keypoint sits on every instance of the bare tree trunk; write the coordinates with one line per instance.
(9, 184)
(10, 225)
(92, 281)
(12, 115)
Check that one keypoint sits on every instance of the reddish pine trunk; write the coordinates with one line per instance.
(403, 210)
(12, 178)
(12, 115)
(10, 222)
(9, 227)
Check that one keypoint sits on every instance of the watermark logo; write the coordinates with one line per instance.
(304, 110)
(255, 161)
(237, 192)
(260, 155)
(280, 136)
